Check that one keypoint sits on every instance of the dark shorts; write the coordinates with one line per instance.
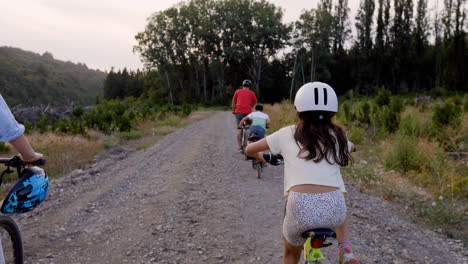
(256, 132)
(239, 117)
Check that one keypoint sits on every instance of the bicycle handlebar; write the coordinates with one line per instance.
(273, 159)
(18, 162)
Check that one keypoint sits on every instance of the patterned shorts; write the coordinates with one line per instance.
(306, 211)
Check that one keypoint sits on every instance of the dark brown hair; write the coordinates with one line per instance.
(320, 137)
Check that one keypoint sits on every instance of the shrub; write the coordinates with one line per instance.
(28, 127)
(396, 104)
(465, 104)
(405, 155)
(62, 126)
(446, 115)
(4, 147)
(42, 125)
(186, 109)
(441, 213)
(347, 111)
(355, 134)
(364, 112)
(383, 97)
(123, 123)
(410, 126)
(389, 119)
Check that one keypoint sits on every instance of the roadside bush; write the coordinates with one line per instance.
(186, 109)
(396, 104)
(42, 125)
(4, 148)
(364, 112)
(62, 126)
(465, 103)
(405, 155)
(355, 134)
(410, 126)
(347, 111)
(446, 115)
(441, 214)
(383, 97)
(28, 127)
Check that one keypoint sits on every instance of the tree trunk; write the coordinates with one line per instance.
(204, 80)
(259, 75)
(293, 76)
(171, 100)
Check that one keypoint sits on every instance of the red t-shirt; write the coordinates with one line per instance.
(245, 99)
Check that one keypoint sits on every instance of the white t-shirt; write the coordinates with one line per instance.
(299, 171)
(258, 118)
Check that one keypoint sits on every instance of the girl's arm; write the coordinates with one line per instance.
(253, 149)
(21, 144)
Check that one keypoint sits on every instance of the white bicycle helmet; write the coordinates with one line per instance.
(316, 96)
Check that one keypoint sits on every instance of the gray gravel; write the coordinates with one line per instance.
(190, 198)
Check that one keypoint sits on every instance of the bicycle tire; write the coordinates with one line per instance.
(244, 144)
(15, 250)
(259, 170)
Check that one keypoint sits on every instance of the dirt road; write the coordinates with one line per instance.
(190, 198)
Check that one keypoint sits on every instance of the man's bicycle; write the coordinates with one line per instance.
(28, 192)
(315, 237)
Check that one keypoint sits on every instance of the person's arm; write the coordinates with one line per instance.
(242, 121)
(253, 149)
(234, 103)
(268, 122)
(27, 154)
(351, 147)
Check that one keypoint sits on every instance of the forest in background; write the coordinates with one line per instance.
(201, 50)
(28, 79)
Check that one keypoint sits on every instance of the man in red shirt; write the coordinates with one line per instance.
(242, 104)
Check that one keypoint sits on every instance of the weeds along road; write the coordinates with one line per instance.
(190, 198)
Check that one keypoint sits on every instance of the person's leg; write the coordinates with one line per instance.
(238, 136)
(291, 254)
(345, 253)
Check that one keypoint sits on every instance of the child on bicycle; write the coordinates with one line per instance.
(260, 121)
(12, 132)
(313, 151)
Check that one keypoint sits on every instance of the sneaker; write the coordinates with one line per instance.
(239, 149)
(347, 257)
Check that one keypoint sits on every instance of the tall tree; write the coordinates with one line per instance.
(341, 28)
(364, 23)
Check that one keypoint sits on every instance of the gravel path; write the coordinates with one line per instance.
(190, 198)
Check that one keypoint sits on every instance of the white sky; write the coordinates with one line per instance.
(99, 33)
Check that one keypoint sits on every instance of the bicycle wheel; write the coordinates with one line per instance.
(11, 246)
(259, 169)
(244, 143)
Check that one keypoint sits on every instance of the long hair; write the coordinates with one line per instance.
(321, 138)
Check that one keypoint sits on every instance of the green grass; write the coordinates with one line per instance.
(132, 134)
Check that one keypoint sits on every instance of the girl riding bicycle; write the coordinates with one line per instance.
(313, 150)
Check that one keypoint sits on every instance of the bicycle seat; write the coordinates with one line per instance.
(319, 232)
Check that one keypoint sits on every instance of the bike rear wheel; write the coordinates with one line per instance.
(244, 143)
(258, 166)
(11, 246)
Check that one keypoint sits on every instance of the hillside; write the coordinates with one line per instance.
(29, 78)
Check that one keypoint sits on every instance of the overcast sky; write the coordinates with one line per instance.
(99, 33)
